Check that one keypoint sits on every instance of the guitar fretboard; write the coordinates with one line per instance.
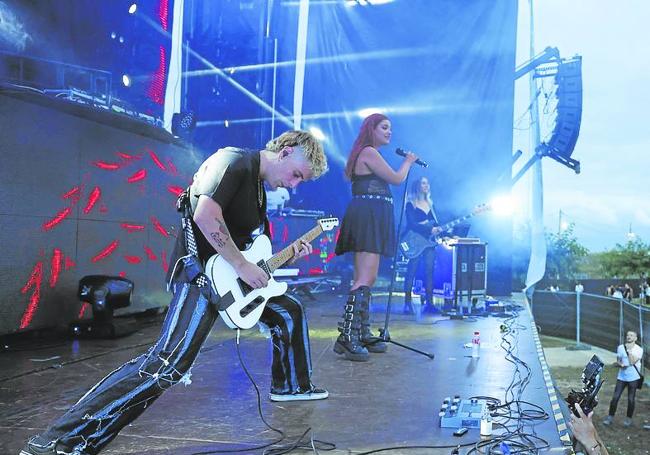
(451, 224)
(285, 255)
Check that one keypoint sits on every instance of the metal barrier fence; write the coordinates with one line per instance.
(589, 318)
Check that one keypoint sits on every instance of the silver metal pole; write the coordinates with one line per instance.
(578, 318)
(620, 320)
(275, 82)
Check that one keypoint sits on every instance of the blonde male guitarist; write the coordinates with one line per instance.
(228, 203)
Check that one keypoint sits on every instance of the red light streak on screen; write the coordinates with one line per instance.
(94, 196)
(122, 274)
(140, 175)
(57, 259)
(150, 254)
(156, 91)
(175, 190)
(170, 166)
(133, 259)
(74, 194)
(126, 157)
(107, 166)
(132, 227)
(159, 227)
(34, 281)
(165, 264)
(156, 160)
(57, 219)
(69, 263)
(163, 11)
(106, 251)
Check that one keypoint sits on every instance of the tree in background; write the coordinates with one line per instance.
(564, 254)
(631, 260)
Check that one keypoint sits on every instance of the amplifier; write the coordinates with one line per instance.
(459, 413)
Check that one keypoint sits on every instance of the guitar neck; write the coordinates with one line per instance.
(451, 224)
(285, 255)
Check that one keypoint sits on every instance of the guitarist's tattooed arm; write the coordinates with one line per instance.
(209, 218)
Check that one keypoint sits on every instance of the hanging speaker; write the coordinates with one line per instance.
(569, 108)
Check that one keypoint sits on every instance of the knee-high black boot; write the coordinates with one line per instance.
(428, 303)
(370, 341)
(349, 341)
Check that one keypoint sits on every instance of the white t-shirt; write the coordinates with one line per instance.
(277, 198)
(628, 373)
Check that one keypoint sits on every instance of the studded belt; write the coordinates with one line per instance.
(374, 196)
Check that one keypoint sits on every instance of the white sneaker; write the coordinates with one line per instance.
(627, 422)
(607, 420)
(313, 394)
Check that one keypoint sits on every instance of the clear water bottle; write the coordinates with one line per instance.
(486, 424)
(476, 344)
(417, 306)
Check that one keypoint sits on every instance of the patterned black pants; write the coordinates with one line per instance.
(123, 395)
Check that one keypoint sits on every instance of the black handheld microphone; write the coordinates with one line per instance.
(401, 152)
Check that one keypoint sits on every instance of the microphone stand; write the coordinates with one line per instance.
(384, 333)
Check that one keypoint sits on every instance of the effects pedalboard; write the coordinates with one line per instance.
(459, 413)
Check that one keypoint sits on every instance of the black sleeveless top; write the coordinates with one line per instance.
(368, 183)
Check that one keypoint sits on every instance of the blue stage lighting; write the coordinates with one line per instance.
(503, 204)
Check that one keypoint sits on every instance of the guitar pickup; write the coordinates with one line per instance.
(251, 306)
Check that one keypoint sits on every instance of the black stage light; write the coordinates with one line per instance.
(183, 125)
(104, 294)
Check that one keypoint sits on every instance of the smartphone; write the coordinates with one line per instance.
(461, 431)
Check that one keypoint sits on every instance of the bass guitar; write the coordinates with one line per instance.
(240, 305)
(412, 243)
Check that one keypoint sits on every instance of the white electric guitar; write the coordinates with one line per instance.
(240, 305)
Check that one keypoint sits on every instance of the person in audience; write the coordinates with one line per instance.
(628, 360)
(628, 292)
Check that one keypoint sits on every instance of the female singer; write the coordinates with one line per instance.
(368, 231)
(420, 218)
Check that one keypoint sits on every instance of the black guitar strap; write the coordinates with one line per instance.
(183, 206)
(191, 263)
(435, 216)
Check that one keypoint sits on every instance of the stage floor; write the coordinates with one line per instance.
(391, 401)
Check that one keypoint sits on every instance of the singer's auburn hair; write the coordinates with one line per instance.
(364, 139)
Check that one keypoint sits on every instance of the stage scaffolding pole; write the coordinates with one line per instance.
(537, 262)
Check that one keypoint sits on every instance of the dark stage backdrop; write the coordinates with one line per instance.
(443, 72)
(82, 192)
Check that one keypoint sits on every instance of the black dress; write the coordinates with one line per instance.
(368, 225)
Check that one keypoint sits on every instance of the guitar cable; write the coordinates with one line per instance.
(311, 444)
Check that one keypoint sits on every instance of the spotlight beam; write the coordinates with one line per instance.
(374, 55)
(395, 110)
